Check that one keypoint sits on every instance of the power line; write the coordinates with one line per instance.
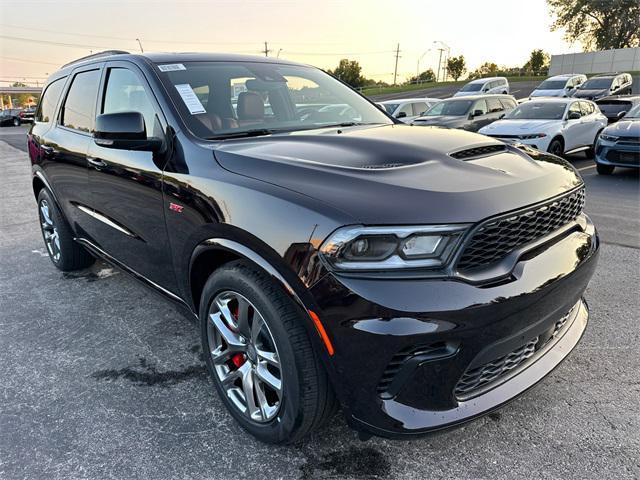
(31, 61)
(50, 42)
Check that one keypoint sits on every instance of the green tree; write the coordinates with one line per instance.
(349, 71)
(538, 62)
(599, 24)
(456, 66)
(487, 69)
(424, 77)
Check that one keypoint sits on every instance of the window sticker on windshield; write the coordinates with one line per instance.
(171, 67)
(190, 99)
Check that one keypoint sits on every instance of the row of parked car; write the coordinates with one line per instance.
(16, 116)
(565, 114)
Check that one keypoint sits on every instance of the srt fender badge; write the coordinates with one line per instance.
(175, 207)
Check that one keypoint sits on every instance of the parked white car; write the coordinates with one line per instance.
(559, 86)
(408, 109)
(556, 125)
(484, 86)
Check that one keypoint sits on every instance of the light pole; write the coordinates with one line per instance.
(140, 44)
(418, 66)
(443, 48)
(278, 55)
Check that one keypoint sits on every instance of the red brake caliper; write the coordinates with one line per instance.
(237, 359)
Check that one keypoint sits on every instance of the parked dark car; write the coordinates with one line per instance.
(619, 144)
(10, 116)
(417, 277)
(604, 85)
(615, 106)
(468, 113)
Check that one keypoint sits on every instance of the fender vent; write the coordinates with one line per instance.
(478, 151)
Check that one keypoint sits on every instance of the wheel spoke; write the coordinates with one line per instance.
(263, 403)
(223, 307)
(243, 317)
(232, 339)
(269, 357)
(268, 378)
(229, 380)
(248, 387)
(256, 327)
(44, 209)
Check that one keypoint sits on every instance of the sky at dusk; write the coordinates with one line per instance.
(37, 36)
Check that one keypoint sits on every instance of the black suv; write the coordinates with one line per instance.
(603, 85)
(416, 277)
(468, 113)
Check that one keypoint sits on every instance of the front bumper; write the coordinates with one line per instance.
(403, 346)
(618, 154)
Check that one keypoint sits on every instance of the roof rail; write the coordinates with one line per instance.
(106, 53)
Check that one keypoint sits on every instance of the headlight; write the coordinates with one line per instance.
(391, 248)
(532, 136)
(608, 138)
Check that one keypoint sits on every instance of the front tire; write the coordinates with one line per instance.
(604, 169)
(64, 252)
(260, 356)
(556, 147)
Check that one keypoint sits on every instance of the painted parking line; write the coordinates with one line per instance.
(586, 168)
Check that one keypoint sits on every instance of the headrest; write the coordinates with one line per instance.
(250, 106)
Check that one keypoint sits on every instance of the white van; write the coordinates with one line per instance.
(559, 86)
(484, 86)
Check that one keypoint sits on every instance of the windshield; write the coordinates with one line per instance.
(455, 108)
(228, 99)
(471, 87)
(552, 85)
(538, 111)
(596, 84)
(634, 112)
(390, 107)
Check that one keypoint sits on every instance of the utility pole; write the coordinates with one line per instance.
(395, 71)
(266, 49)
(439, 63)
(140, 44)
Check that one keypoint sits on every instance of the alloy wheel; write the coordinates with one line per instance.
(49, 231)
(244, 356)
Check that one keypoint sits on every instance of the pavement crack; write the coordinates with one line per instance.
(145, 374)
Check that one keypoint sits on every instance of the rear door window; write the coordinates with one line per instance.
(419, 108)
(77, 112)
(508, 103)
(49, 101)
(481, 106)
(494, 105)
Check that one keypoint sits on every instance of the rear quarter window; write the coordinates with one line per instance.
(79, 105)
(47, 108)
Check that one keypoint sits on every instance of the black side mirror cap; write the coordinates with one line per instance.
(574, 116)
(621, 114)
(401, 115)
(124, 131)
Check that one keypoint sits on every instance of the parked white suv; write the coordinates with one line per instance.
(556, 125)
(559, 86)
(408, 109)
(484, 86)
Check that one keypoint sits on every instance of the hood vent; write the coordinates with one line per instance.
(478, 152)
(382, 166)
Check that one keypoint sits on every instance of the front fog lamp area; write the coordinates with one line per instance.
(390, 248)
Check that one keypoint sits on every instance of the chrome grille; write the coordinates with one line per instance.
(495, 239)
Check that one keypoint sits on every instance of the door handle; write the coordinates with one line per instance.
(96, 163)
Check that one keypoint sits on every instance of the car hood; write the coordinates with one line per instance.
(399, 174)
(590, 94)
(624, 128)
(516, 127)
(443, 120)
(547, 93)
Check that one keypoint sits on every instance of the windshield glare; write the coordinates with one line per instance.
(634, 112)
(455, 108)
(216, 99)
(596, 84)
(471, 87)
(538, 111)
(552, 85)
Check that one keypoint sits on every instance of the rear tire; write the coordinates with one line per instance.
(305, 398)
(65, 253)
(556, 147)
(604, 169)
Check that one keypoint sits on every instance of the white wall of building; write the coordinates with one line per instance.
(619, 60)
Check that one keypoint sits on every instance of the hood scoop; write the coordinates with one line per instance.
(478, 152)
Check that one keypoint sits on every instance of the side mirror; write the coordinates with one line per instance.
(124, 131)
(477, 113)
(401, 115)
(502, 115)
(574, 116)
(621, 114)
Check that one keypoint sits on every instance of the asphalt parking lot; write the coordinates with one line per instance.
(101, 378)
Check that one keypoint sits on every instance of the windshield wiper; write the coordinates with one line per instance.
(256, 132)
(348, 124)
